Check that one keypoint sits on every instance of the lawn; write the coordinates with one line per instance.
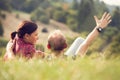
(86, 68)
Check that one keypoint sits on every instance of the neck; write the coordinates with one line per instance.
(57, 53)
(26, 41)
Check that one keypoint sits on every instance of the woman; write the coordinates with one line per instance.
(24, 40)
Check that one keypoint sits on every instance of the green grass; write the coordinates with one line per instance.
(79, 69)
(92, 67)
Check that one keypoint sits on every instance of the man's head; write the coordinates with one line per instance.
(56, 41)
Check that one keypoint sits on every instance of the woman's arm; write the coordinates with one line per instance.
(9, 51)
(100, 24)
(39, 54)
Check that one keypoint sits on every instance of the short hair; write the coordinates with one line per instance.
(57, 41)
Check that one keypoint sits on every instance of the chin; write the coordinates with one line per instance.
(33, 43)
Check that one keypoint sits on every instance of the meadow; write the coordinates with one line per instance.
(91, 67)
(87, 68)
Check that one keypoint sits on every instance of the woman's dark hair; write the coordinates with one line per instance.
(25, 27)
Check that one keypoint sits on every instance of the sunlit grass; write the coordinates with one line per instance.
(93, 67)
(60, 69)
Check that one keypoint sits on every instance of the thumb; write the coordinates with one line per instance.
(96, 19)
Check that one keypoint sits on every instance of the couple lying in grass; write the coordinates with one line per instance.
(23, 40)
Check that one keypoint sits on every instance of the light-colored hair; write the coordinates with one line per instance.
(57, 41)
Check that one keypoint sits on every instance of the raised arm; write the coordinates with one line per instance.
(100, 24)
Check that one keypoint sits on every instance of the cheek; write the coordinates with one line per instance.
(35, 39)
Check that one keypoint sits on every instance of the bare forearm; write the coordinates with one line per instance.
(91, 37)
(102, 23)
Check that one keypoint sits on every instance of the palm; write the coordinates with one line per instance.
(104, 21)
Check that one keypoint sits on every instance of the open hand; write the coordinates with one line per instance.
(104, 21)
(9, 46)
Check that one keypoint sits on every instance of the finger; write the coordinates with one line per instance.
(109, 21)
(96, 19)
(104, 15)
(108, 16)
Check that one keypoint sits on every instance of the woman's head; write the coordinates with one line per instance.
(27, 30)
(56, 41)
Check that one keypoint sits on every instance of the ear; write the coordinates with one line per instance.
(26, 36)
(48, 46)
(65, 45)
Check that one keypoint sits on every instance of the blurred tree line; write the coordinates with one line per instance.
(78, 15)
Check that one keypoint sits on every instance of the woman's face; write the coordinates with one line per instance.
(33, 37)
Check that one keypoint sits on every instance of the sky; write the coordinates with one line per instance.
(112, 2)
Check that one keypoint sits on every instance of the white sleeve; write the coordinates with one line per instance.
(73, 49)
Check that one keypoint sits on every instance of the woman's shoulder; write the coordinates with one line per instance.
(20, 43)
